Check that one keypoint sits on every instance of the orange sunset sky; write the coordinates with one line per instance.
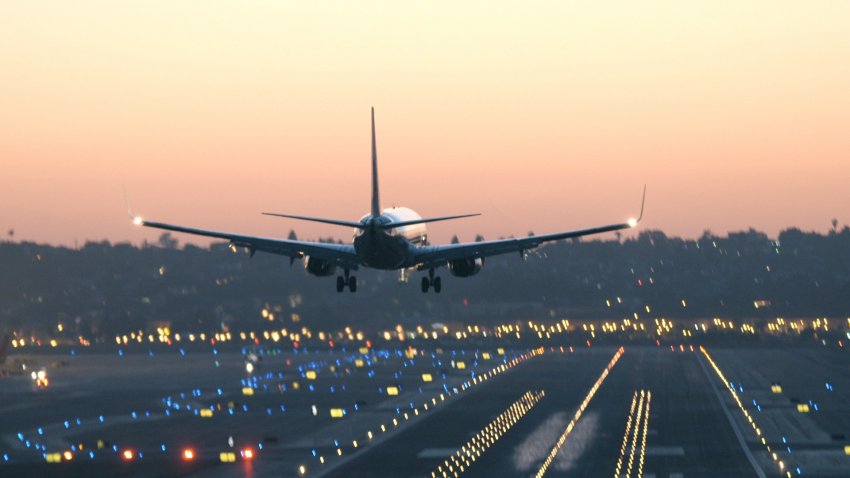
(543, 116)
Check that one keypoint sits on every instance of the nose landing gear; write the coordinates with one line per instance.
(431, 281)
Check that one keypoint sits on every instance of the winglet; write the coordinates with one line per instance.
(376, 202)
(137, 220)
(642, 202)
(634, 222)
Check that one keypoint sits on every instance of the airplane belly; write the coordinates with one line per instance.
(382, 251)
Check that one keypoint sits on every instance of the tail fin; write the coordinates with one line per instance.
(376, 201)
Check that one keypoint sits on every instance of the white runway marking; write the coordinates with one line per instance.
(533, 449)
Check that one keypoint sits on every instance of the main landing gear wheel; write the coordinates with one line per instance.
(346, 281)
(431, 281)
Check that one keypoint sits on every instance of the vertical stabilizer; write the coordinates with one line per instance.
(376, 202)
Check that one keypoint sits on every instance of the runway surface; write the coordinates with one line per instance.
(665, 411)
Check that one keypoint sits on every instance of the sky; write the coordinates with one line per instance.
(543, 116)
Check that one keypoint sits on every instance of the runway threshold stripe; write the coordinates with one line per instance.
(463, 457)
(563, 438)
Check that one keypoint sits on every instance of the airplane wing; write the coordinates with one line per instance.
(339, 254)
(436, 256)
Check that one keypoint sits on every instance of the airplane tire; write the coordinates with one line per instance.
(425, 284)
(340, 283)
(438, 285)
(352, 284)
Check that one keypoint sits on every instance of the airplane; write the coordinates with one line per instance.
(389, 239)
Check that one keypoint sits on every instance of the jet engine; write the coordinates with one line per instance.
(465, 267)
(319, 267)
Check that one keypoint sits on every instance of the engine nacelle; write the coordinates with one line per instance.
(465, 267)
(319, 267)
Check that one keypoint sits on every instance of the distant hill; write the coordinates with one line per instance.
(102, 289)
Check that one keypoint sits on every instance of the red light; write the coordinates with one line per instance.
(68, 456)
(247, 453)
(128, 455)
(188, 454)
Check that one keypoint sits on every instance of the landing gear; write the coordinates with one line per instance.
(431, 281)
(349, 281)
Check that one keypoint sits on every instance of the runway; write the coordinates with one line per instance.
(687, 434)
(654, 411)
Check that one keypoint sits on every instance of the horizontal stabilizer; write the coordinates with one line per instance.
(393, 225)
(319, 219)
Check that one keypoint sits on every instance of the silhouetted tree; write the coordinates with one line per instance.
(166, 241)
